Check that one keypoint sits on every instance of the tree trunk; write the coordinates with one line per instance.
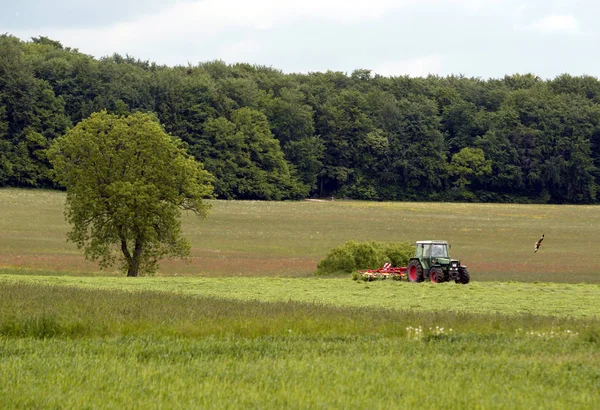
(134, 261)
(132, 270)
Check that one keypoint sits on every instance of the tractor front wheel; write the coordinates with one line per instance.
(463, 276)
(436, 275)
(414, 271)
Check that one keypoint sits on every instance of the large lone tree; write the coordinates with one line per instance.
(127, 182)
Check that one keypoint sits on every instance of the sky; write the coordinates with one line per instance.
(475, 38)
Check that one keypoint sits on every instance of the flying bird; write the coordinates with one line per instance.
(538, 243)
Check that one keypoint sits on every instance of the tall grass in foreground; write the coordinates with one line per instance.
(544, 299)
(65, 347)
(29, 310)
(298, 372)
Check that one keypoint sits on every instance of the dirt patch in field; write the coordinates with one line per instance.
(217, 263)
(202, 263)
(53, 262)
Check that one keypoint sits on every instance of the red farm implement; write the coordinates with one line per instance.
(385, 272)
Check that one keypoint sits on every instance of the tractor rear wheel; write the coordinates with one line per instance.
(463, 276)
(436, 275)
(414, 271)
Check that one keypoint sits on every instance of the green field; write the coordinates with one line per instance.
(72, 346)
(287, 239)
(547, 299)
(244, 325)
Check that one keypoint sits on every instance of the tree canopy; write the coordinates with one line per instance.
(127, 182)
(265, 134)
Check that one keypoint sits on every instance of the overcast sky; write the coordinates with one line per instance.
(477, 38)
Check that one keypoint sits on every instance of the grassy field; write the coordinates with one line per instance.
(244, 325)
(547, 299)
(287, 239)
(148, 349)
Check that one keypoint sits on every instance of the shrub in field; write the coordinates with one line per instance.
(399, 253)
(339, 259)
(367, 254)
(364, 255)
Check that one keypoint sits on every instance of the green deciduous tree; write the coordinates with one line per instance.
(127, 181)
(419, 148)
(344, 127)
(30, 117)
(467, 164)
(245, 158)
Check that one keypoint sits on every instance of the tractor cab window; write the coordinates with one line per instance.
(439, 250)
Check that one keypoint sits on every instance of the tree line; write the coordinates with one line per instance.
(264, 134)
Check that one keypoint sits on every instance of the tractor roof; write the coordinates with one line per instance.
(434, 241)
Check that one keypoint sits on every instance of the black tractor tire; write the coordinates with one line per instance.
(436, 275)
(414, 271)
(463, 276)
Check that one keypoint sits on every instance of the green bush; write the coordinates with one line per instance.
(364, 255)
(399, 253)
(339, 259)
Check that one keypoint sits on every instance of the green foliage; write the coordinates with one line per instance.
(467, 164)
(364, 255)
(306, 157)
(31, 116)
(360, 136)
(340, 259)
(245, 158)
(127, 182)
(399, 253)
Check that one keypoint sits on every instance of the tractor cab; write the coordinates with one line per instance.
(432, 252)
(432, 261)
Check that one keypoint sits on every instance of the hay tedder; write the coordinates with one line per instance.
(385, 272)
(431, 262)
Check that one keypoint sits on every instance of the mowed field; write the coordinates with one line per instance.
(287, 239)
(243, 324)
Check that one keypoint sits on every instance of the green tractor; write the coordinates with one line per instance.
(432, 261)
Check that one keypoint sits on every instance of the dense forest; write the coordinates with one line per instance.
(265, 134)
